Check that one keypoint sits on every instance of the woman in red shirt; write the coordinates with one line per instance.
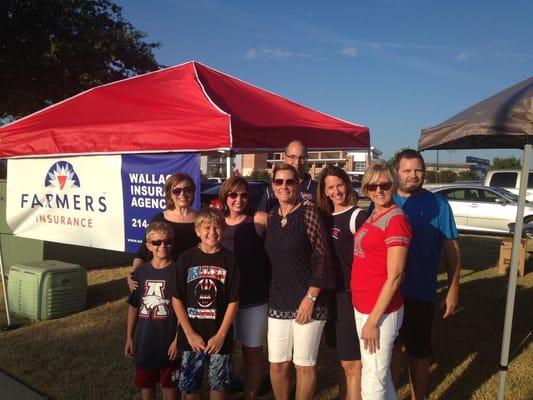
(380, 253)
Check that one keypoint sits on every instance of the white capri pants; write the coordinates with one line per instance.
(288, 341)
(250, 325)
(376, 379)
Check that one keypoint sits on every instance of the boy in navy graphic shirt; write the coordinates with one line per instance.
(151, 334)
(205, 299)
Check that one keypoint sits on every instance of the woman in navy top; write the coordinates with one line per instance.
(244, 236)
(338, 202)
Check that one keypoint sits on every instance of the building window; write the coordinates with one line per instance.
(359, 166)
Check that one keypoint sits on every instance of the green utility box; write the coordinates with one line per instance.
(46, 289)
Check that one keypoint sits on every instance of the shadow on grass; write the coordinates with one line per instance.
(106, 292)
(468, 345)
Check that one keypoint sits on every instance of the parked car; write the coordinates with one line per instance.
(257, 188)
(356, 187)
(483, 208)
(509, 179)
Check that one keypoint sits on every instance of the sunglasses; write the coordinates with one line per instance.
(288, 182)
(234, 195)
(186, 190)
(372, 187)
(157, 243)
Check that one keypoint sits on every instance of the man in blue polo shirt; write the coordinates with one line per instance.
(434, 234)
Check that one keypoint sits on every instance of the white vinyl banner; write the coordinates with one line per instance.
(75, 200)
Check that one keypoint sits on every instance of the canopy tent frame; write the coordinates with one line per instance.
(504, 120)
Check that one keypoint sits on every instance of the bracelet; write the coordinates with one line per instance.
(310, 297)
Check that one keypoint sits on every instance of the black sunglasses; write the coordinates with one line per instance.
(158, 243)
(372, 187)
(234, 195)
(186, 190)
(288, 182)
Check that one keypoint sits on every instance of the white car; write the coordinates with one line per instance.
(483, 208)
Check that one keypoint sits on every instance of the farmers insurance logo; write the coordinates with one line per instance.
(63, 194)
(61, 175)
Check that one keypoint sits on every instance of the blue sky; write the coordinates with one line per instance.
(396, 66)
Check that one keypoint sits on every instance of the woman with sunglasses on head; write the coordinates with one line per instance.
(244, 235)
(338, 202)
(179, 196)
(296, 243)
(380, 254)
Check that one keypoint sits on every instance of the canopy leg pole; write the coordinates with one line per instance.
(515, 257)
(4, 288)
(228, 164)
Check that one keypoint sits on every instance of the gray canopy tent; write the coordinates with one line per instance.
(503, 121)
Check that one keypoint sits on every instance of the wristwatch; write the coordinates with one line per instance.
(311, 297)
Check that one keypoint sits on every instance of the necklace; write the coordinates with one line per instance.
(284, 217)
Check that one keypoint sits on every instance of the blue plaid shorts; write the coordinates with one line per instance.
(192, 371)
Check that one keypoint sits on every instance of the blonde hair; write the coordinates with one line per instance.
(374, 170)
(211, 216)
(159, 227)
(283, 166)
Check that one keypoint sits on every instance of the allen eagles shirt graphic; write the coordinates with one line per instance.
(156, 325)
(206, 284)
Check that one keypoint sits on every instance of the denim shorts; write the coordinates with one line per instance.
(192, 371)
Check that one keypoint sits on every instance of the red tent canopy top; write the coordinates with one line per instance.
(188, 107)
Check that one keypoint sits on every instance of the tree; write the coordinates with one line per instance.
(260, 174)
(53, 49)
(447, 176)
(467, 176)
(505, 163)
(392, 160)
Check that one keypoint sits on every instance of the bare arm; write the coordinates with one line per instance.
(195, 341)
(129, 348)
(132, 283)
(260, 222)
(215, 343)
(396, 258)
(452, 259)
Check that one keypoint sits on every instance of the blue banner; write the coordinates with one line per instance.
(143, 187)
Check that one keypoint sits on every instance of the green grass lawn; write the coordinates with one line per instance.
(81, 356)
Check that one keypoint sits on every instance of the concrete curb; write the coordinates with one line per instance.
(11, 389)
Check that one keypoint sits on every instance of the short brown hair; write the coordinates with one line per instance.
(323, 202)
(228, 186)
(283, 166)
(376, 169)
(172, 181)
(211, 216)
(409, 154)
(159, 227)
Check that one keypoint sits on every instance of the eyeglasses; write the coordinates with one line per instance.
(293, 157)
(372, 187)
(157, 243)
(288, 182)
(186, 190)
(234, 195)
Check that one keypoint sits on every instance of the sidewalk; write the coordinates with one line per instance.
(11, 389)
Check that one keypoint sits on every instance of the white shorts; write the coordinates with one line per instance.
(288, 340)
(376, 379)
(250, 325)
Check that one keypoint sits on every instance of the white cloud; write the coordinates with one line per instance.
(349, 52)
(462, 56)
(276, 54)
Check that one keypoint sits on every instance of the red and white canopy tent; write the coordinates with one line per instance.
(185, 108)
(188, 107)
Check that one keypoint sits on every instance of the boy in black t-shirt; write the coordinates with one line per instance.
(205, 299)
(151, 334)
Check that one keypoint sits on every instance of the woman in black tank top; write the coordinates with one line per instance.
(244, 236)
(338, 202)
